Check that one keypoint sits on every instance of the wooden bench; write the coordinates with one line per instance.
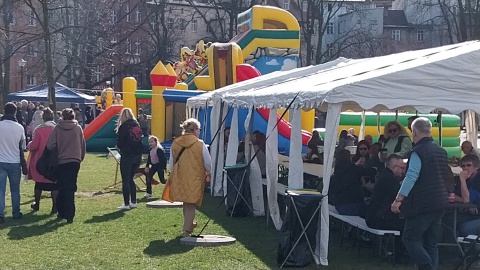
(361, 225)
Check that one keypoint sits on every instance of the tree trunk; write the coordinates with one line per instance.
(48, 58)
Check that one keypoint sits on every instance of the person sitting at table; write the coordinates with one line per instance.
(467, 190)
(397, 140)
(312, 155)
(379, 216)
(468, 149)
(351, 132)
(374, 160)
(362, 154)
(369, 139)
(346, 190)
(259, 144)
(316, 139)
(344, 140)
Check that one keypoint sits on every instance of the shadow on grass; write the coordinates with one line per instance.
(25, 231)
(162, 248)
(106, 217)
(251, 232)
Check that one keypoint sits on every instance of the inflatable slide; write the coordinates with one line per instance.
(100, 134)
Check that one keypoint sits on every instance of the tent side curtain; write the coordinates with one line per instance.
(63, 94)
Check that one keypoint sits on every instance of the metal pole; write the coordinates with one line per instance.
(21, 78)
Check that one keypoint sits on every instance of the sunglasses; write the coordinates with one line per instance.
(363, 149)
(393, 130)
(466, 165)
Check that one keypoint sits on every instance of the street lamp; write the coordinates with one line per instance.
(22, 64)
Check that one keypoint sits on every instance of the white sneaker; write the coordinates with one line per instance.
(124, 207)
(147, 195)
(133, 205)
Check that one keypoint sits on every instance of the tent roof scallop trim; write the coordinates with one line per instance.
(62, 94)
(445, 77)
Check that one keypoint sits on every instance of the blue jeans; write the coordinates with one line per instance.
(468, 225)
(420, 238)
(13, 172)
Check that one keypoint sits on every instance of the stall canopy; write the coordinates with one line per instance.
(269, 79)
(62, 94)
(439, 78)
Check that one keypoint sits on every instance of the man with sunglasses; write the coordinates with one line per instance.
(467, 190)
(423, 196)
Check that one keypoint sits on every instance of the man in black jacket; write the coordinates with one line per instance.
(379, 216)
(423, 196)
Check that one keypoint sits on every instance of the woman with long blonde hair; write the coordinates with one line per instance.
(129, 143)
(190, 165)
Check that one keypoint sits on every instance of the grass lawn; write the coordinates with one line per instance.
(102, 237)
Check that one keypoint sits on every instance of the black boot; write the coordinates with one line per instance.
(37, 193)
(54, 202)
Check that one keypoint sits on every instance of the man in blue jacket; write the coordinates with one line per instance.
(423, 196)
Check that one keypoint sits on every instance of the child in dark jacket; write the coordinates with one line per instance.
(156, 163)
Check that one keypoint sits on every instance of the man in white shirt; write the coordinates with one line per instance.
(12, 141)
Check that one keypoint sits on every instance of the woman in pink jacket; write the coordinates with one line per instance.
(36, 146)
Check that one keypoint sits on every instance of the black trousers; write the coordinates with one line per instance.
(67, 186)
(128, 166)
(155, 169)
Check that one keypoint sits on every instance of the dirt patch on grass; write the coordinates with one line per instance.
(96, 193)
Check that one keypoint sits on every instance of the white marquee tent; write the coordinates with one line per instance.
(446, 77)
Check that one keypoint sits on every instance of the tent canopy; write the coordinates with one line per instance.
(208, 98)
(62, 94)
(445, 77)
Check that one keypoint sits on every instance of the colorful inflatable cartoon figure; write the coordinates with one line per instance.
(191, 62)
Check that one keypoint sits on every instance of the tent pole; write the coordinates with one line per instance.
(378, 125)
(439, 124)
(396, 115)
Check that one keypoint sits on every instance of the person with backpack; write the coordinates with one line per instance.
(397, 140)
(158, 162)
(129, 143)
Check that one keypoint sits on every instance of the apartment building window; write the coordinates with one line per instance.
(420, 35)
(194, 26)
(138, 49)
(31, 80)
(138, 15)
(396, 35)
(330, 28)
(113, 71)
(329, 7)
(113, 41)
(127, 13)
(169, 47)
(183, 25)
(31, 50)
(329, 52)
(373, 22)
(97, 73)
(286, 4)
(12, 20)
(170, 23)
(129, 46)
(114, 17)
(32, 21)
(305, 5)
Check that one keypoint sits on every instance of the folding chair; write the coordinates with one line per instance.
(472, 251)
(302, 210)
(237, 179)
(138, 174)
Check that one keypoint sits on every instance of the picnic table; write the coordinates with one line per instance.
(308, 168)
